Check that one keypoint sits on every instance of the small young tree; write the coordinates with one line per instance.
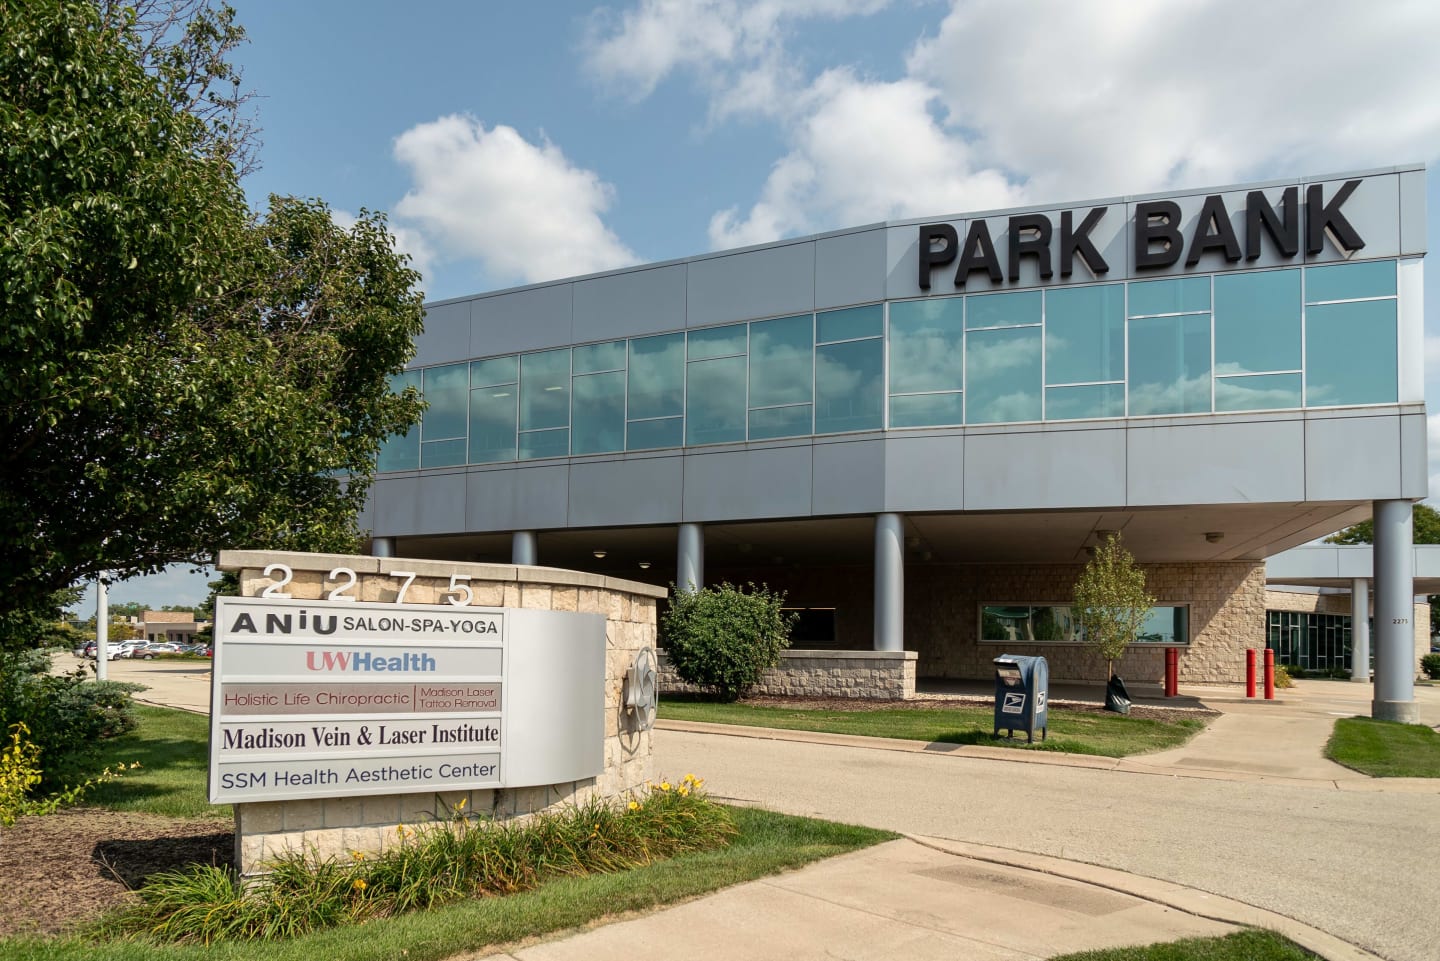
(1110, 601)
(722, 639)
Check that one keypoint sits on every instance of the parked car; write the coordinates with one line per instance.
(133, 649)
(88, 650)
(164, 647)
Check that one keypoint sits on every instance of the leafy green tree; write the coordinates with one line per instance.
(1426, 521)
(177, 375)
(723, 638)
(1111, 602)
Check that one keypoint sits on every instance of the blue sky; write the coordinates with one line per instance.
(517, 142)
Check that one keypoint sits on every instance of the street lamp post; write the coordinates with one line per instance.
(102, 629)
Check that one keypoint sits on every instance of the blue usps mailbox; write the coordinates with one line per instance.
(1022, 690)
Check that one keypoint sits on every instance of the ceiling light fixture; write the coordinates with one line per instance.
(598, 554)
(644, 565)
(1214, 537)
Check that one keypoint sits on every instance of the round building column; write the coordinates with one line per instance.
(1394, 698)
(524, 548)
(889, 582)
(690, 558)
(382, 547)
(1360, 630)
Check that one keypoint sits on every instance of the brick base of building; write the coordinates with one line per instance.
(871, 675)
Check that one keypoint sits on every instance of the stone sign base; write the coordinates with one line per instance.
(873, 675)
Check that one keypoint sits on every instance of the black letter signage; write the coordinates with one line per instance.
(1320, 216)
(929, 255)
(1148, 231)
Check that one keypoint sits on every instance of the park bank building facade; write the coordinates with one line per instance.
(918, 430)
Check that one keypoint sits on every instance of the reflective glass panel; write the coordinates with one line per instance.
(1170, 296)
(1369, 278)
(544, 443)
(401, 451)
(545, 390)
(1258, 392)
(781, 361)
(442, 453)
(849, 324)
(657, 377)
(717, 342)
(1003, 310)
(1085, 401)
(1257, 322)
(496, 370)
(715, 401)
(1164, 624)
(598, 417)
(780, 422)
(492, 423)
(1085, 334)
(1350, 353)
(926, 345)
(594, 358)
(1002, 375)
(649, 434)
(848, 391)
(926, 410)
(1170, 365)
(447, 392)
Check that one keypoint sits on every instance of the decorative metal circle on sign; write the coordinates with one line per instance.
(642, 691)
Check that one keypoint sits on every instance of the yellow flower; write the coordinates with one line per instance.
(684, 792)
(357, 855)
(400, 830)
(664, 785)
(689, 779)
(359, 884)
(461, 805)
(634, 805)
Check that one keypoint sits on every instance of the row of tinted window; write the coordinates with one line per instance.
(1263, 340)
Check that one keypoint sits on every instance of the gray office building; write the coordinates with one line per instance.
(918, 430)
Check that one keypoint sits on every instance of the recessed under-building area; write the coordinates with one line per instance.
(918, 430)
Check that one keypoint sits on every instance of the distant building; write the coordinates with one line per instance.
(178, 627)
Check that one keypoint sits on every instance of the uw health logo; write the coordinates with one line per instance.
(363, 661)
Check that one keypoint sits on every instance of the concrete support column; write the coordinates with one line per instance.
(102, 630)
(690, 558)
(1360, 630)
(382, 547)
(889, 582)
(1394, 698)
(524, 548)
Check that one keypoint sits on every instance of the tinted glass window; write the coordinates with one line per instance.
(648, 434)
(1003, 310)
(717, 342)
(1375, 278)
(544, 443)
(657, 376)
(1184, 295)
(1002, 375)
(1170, 365)
(447, 391)
(1257, 322)
(848, 381)
(781, 361)
(715, 401)
(1258, 392)
(545, 390)
(496, 370)
(492, 423)
(926, 345)
(1085, 401)
(401, 451)
(598, 417)
(849, 324)
(594, 358)
(1350, 353)
(780, 422)
(1085, 334)
(927, 410)
(442, 453)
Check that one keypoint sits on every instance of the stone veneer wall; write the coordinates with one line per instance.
(874, 675)
(942, 619)
(337, 826)
(1311, 603)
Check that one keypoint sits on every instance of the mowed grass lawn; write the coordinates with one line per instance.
(1240, 946)
(1071, 732)
(1385, 748)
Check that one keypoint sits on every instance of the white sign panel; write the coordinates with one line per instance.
(331, 698)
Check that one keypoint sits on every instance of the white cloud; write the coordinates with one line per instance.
(523, 210)
(863, 151)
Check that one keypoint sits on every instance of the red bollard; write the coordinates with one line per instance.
(1250, 672)
(1172, 672)
(1269, 674)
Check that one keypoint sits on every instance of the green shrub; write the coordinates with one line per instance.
(1282, 676)
(1430, 664)
(1295, 671)
(429, 865)
(65, 714)
(722, 639)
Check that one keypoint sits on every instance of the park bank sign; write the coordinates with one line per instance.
(335, 698)
(1226, 231)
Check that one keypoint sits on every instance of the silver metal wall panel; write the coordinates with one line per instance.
(442, 503)
(1412, 212)
(1373, 210)
(1045, 469)
(760, 283)
(850, 269)
(848, 477)
(1352, 458)
(446, 337)
(641, 490)
(1232, 463)
(925, 473)
(1305, 563)
(530, 319)
(528, 498)
(395, 504)
(630, 304)
(735, 485)
(1414, 456)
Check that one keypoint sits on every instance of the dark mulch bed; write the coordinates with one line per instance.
(59, 871)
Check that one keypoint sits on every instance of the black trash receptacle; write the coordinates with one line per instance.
(1022, 690)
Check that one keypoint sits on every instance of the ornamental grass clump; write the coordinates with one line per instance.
(428, 866)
